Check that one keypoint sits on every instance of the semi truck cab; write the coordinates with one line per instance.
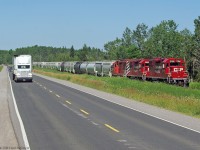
(22, 68)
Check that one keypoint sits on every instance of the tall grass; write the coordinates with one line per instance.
(195, 85)
(1, 67)
(184, 100)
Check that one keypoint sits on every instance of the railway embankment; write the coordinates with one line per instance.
(7, 135)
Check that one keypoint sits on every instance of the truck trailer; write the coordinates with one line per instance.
(22, 68)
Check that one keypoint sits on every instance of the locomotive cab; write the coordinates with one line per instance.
(175, 69)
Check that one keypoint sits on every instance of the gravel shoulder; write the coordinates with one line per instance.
(7, 135)
(162, 114)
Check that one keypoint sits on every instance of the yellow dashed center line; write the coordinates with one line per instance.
(83, 111)
(45, 88)
(50, 91)
(110, 127)
(68, 102)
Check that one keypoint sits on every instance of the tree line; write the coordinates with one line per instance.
(163, 40)
(53, 54)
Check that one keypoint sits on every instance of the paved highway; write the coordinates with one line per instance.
(59, 117)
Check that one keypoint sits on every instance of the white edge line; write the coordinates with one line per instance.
(145, 113)
(131, 108)
(26, 143)
(138, 111)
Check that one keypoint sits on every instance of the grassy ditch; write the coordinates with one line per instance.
(1, 67)
(179, 99)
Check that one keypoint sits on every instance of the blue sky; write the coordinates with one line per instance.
(61, 23)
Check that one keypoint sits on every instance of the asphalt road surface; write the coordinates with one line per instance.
(57, 117)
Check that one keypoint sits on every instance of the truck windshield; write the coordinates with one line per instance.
(23, 66)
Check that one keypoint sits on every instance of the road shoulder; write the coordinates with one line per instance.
(7, 137)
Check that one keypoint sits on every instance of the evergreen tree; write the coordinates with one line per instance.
(72, 52)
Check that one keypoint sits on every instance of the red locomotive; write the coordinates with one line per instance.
(131, 68)
(171, 70)
(121, 67)
(139, 68)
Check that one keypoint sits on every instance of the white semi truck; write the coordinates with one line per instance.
(22, 68)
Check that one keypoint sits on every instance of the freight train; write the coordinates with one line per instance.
(169, 70)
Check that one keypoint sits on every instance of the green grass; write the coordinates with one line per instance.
(1, 67)
(195, 85)
(179, 99)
